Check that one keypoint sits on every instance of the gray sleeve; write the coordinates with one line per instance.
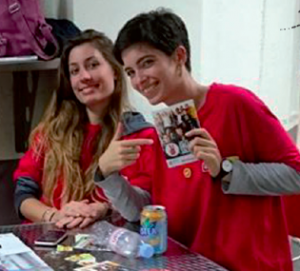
(127, 199)
(25, 188)
(261, 179)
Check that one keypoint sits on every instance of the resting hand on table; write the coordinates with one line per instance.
(204, 147)
(79, 214)
(120, 153)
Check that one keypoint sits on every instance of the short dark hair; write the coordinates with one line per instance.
(161, 29)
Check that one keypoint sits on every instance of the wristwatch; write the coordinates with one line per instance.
(226, 166)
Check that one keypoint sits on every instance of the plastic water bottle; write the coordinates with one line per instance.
(125, 242)
(129, 244)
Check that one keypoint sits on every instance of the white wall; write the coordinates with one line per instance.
(57, 9)
(231, 41)
(242, 44)
(281, 62)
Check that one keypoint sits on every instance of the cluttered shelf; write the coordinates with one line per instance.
(27, 63)
(25, 72)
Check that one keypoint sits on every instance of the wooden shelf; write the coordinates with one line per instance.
(30, 65)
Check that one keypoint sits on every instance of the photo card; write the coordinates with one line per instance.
(104, 266)
(172, 123)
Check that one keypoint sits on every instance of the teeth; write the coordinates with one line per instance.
(88, 87)
(148, 89)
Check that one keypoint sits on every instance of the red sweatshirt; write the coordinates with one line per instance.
(241, 233)
(139, 174)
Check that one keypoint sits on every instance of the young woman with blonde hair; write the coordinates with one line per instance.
(88, 127)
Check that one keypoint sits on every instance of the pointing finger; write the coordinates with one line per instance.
(137, 142)
(131, 149)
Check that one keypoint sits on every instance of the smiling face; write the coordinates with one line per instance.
(91, 76)
(151, 72)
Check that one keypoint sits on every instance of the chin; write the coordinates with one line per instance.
(155, 101)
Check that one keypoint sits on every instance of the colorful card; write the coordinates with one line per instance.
(106, 265)
(172, 124)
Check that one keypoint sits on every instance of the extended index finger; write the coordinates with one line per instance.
(137, 142)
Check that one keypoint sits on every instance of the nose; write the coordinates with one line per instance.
(84, 75)
(139, 81)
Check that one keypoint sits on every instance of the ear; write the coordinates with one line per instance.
(180, 55)
(115, 75)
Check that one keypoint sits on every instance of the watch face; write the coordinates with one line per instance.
(227, 166)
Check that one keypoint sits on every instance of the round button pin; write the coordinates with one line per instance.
(187, 172)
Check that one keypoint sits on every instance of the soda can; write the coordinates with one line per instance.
(154, 227)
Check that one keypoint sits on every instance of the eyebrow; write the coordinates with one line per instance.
(139, 61)
(87, 59)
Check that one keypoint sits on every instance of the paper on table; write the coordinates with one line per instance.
(11, 244)
(15, 255)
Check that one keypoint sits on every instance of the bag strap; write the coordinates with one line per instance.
(14, 9)
(3, 45)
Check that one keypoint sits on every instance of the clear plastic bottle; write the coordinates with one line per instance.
(129, 244)
(124, 242)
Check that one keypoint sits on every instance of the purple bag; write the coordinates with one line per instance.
(24, 31)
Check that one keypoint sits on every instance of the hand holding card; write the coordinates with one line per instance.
(172, 124)
(205, 148)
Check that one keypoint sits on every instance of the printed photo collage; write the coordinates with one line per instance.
(172, 124)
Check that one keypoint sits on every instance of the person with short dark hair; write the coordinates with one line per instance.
(227, 205)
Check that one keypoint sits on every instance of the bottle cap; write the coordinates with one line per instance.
(146, 250)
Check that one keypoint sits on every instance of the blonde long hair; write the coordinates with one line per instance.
(60, 133)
